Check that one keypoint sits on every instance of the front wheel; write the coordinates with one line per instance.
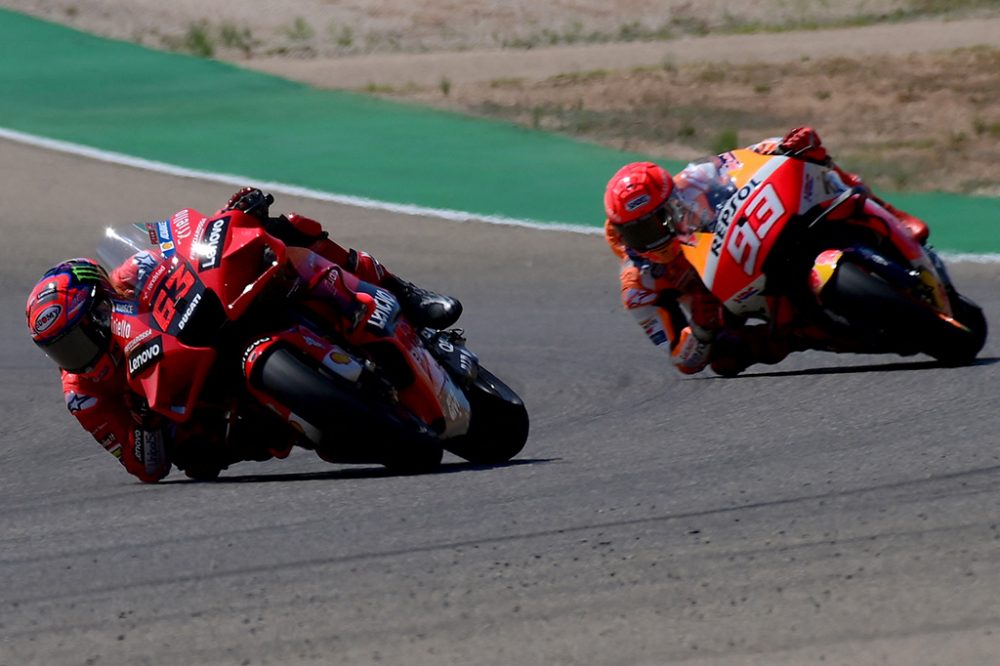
(352, 428)
(893, 321)
(499, 426)
(971, 316)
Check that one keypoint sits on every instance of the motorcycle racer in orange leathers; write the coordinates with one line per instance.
(648, 213)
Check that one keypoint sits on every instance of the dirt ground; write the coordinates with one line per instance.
(886, 82)
(916, 122)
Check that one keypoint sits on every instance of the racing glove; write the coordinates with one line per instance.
(804, 142)
(150, 433)
(252, 201)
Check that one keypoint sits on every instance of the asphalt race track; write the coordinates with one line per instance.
(831, 509)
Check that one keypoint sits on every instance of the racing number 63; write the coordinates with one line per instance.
(174, 288)
(762, 212)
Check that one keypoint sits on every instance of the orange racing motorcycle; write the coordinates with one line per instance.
(793, 246)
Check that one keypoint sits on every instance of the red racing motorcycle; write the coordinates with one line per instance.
(792, 245)
(221, 323)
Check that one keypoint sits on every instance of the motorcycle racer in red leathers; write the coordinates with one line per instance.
(647, 214)
(68, 314)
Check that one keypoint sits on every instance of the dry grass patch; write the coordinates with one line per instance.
(920, 122)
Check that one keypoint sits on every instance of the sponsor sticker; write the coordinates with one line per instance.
(138, 444)
(163, 231)
(47, 294)
(339, 357)
(77, 402)
(145, 356)
(639, 297)
(124, 307)
(139, 338)
(729, 210)
(212, 241)
(182, 224)
(729, 162)
(250, 353)
(153, 280)
(121, 327)
(188, 312)
(745, 295)
(313, 342)
(384, 307)
(165, 238)
(637, 203)
(46, 318)
(112, 446)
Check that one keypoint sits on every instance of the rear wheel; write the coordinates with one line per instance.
(353, 429)
(498, 429)
(893, 321)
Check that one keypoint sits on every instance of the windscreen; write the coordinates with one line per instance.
(120, 243)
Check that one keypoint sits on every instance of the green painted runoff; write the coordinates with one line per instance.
(213, 116)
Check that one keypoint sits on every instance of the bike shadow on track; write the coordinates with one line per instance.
(898, 366)
(363, 472)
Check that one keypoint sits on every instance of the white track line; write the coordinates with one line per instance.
(361, 202)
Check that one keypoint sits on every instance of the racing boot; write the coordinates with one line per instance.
(424, 308)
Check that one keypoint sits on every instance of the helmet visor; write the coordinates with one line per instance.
(76, 351)
(649, 231)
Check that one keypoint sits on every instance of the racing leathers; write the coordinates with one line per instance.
(146, 444)
(109, 411)
(676, 310)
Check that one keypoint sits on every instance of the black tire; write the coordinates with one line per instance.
(203, 474)
(354, 430)
(892, 321)
(971, 315)
(498, 428)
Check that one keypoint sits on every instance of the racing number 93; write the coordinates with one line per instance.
(762, 212)
(174, 288)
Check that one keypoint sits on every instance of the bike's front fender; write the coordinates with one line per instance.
(922, 280)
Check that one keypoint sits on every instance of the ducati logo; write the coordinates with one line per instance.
(188, 312)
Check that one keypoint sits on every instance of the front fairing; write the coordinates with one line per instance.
(158, 297)
(164, 317)
(767, 193)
